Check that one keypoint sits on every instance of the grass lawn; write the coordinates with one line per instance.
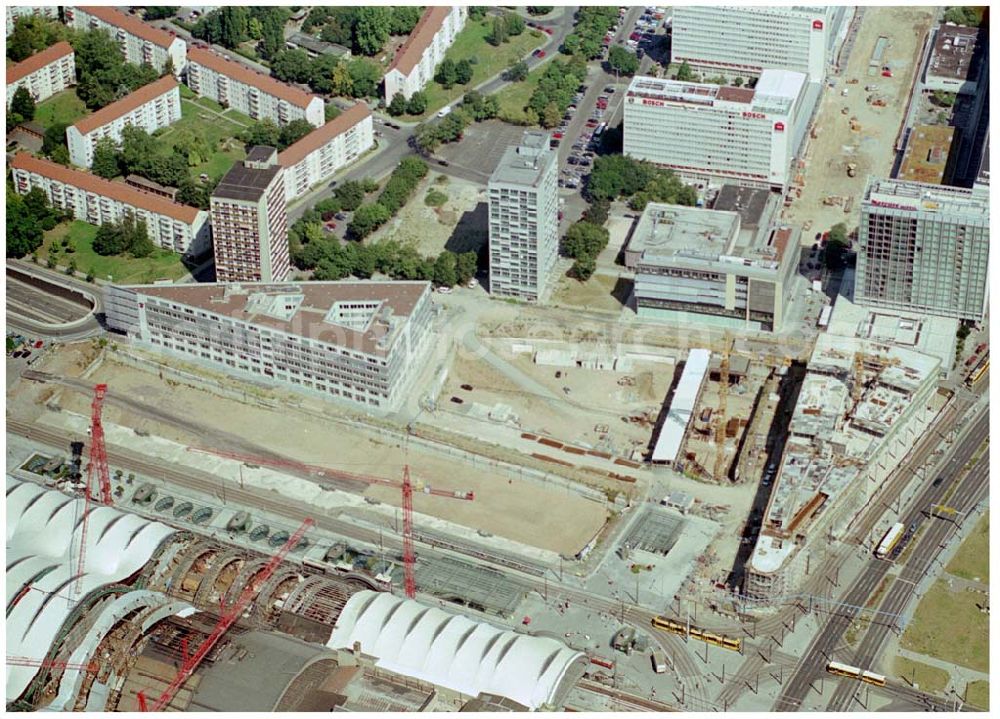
(930, 679)
(979, 695)
(216, 130)
(515, 96)
(63, 107)
(949, 626)
(124, 269)
(471, 43)
(972, 560)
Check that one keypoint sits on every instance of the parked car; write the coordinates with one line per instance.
(444, 290)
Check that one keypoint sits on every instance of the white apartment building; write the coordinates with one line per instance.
(708, 132)
(16, 11)
(745, 40)
(43, 74)
(140, 42)
(524, 219)
(151, 107)
(249, 224)
(92, 199)
(319, 155)
(260, 96)
(363, 342)
(416, 60)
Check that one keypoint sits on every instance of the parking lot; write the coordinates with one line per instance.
(481, 148)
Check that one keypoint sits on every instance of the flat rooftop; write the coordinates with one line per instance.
(927, 152)
(924, 197)
(363, 316)
(775, 91)
(248, 184)
(525, 164)
(954, 50)
(750, 203)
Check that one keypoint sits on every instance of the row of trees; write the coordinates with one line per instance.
(397, 191)
(28, 218)
(555, 90)
(267, 132)
(363, 29)
(587, 38)
(614, 176)
(233, 25)
(329, 75)
(504, 27)
(334, 261)
(584, 241)
(129, 236)
(623, 60)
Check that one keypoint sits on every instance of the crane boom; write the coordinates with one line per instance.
(98, 465)
(228, 618)
(409, 581)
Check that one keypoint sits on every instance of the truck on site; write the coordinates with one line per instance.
(659, 660)
(890, 540)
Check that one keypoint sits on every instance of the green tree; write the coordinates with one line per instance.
(137, 150)
(684, 72)
(465, 267)
(341, 80)
(515, 23)
(417, 104)
(445, 273)
(836, 246)
(583, 238)
(33, 33)
(404, 19)
(136, 236)
(350, 194)
(737, 81)
(498, 31)
(367, 219)
(516, 72)
(255, 29)
(480, 107)
(365, 77)
(293, 132)
(330, 112)
(962, 15)
(944, 99)
(540, 9)
(105, 162)
(583, 267)
(23, 104)
(320, 73)
(262, 132)
(398, 105)
(292, 66)
(110, 240)
(167, 169)
(551, 115)
(272, 28)
(477, 12)
(24, 231)
(371, 29)
(446, 75)
(463, 72)
(160, 12)
(622, 60)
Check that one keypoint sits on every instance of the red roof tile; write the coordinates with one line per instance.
(130, 24)
(98, 185)
(410, 52)
(294, 154)
(735, 94)
(112, 112)
(38, 61)
(242, 73)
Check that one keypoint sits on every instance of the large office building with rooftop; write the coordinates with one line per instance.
(249, 223)
(697, 266)
(727, 134)
(524, 219)
(418, 57)
(140, 42)
(151, 107)
(956, 61)
(862, 405)
(744, 41)
(43, 74)
(172, 226)
(924, 248)
(363, 342)
(233, 84)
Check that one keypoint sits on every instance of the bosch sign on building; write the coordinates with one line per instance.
(719, 133)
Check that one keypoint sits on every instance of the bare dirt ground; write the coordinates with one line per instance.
(601, 292)
(871, 148)
(459, 225)
(512, 508)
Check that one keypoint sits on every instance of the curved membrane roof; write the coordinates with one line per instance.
(43, 540)
(453, 651)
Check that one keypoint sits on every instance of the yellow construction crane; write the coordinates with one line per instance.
(720, 425)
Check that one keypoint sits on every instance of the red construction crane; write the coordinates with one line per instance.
(98, 465)
(228, 618)
(92, 665)
(329, 473)
(409, 581)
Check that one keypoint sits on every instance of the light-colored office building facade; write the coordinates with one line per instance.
(744, 41)
(43, 74)
(924, 248)
(93, 199)
(140, 41)
(363, 342)
(524, 219)
(150, 108)
(705, 132)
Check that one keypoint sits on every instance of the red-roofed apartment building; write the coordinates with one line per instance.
(43, 74)
(93, 199)
(320, 154)
(140, 42)
(417, 58)
(151, 107)
(260, 96)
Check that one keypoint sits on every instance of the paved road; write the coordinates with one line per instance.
(829, 638)
(31, 320)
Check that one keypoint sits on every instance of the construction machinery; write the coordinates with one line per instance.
(852, 169)
(336, 474)
(228, 618)
(98, 465)
(409, 559)
(720, 420)
(855, 124)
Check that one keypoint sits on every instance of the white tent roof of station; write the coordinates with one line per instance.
(453, 651)
(43, 540)
(668, 444)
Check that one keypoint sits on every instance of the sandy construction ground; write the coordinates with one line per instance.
(520, 510)
(871, 148)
